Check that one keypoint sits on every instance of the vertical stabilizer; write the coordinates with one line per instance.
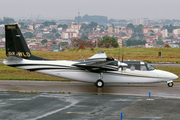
(16, 45)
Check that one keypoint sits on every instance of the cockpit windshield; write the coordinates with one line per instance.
(149, 67)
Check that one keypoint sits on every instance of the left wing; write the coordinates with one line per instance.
(97, 63)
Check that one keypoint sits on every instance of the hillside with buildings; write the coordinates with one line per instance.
(42, 35)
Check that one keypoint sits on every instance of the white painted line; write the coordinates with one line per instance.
(55, 111)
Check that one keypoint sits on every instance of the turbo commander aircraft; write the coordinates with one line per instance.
(98, 69)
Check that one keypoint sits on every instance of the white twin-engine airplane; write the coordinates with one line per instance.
(98, 69)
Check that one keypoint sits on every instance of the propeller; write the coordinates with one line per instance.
(121, 64)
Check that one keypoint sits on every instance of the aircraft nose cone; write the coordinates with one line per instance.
(175, 77)
(167, 75)
(171, 76)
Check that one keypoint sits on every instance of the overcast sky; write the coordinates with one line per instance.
(68, 9)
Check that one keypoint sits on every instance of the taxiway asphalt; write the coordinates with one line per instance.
(85, 101)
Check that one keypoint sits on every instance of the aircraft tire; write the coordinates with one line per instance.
(170, 84)
(99, 83)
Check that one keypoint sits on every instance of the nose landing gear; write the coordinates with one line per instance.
(170, 83)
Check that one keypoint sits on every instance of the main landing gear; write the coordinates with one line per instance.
(170, 83)
(99, 83)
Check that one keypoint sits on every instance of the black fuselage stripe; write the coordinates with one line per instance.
(19, 65)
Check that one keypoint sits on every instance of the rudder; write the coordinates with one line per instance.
(16, 45)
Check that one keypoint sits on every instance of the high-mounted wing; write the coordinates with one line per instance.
(99, 62)
(98, 66)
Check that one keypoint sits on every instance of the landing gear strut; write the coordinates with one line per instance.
(170, 84)
(99, 83)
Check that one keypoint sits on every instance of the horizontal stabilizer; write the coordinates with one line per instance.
(13, 57)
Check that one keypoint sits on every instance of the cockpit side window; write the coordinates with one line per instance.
(149, 67)
(132, 68)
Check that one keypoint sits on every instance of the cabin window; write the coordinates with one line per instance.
(143, 68)
(132, 67)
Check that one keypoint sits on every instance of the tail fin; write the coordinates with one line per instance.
(16, 45)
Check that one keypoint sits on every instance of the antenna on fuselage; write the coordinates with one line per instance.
(119, 53)
(112, 56)
(82, 57)
(122, 50)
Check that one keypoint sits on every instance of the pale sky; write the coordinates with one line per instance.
(68, 9)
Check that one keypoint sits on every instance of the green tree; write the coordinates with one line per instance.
(108, 42)
(160, 42)
(23, 26)
(93, 24)
(123, 34)
(84, 27)
(170, 28)
(51, 36)
(152, 33)
(63, 43)
(102, 30)
(130, 42)
(57, 35)
(47, 23)
(28, 35)
(84, 37)
(130, 25)
(8, 20)
(44, 41)
(21, 23)
(156, 26)
(41, 26)
(54, 42)
(64, 26)
(141, 36)
(1, 22)
(54, 30)
(139, 28)
(2, 35)
(170, 37)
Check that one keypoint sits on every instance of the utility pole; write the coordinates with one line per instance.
(78, 23)
(38, 16)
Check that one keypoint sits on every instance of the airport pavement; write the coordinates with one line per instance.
(86, 102)
(157, 89)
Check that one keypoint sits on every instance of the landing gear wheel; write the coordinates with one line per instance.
(99, 83)
(170, 84)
